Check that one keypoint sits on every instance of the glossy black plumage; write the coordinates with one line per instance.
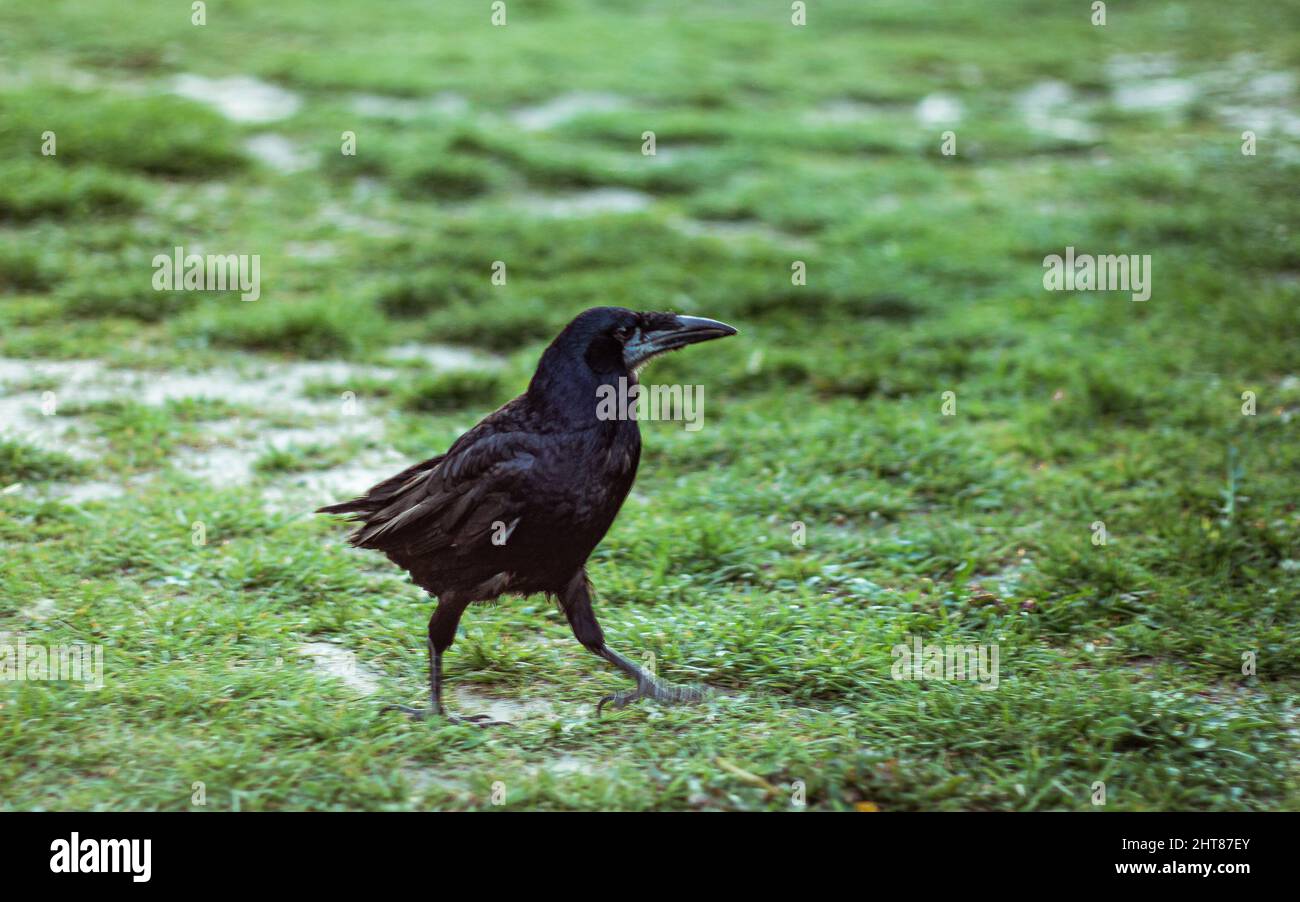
(517, 504)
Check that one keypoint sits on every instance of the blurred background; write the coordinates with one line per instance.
(869, 196)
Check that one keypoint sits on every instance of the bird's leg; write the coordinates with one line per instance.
(442, 630)
(435, 691)
(576, 601)
(647, 685)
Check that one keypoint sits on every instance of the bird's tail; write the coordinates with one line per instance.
(355, 506)
(378, 497)
(360, 509)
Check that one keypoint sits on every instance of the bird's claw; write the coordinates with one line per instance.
(665, 693)
(413, 713)
(419, 714)
(478, 720)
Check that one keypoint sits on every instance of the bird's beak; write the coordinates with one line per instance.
(684, 330)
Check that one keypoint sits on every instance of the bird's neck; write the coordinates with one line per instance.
(575, 395)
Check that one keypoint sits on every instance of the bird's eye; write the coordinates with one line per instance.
(623, 333)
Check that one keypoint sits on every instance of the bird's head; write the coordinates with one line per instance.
(615, 340)
(603, 345)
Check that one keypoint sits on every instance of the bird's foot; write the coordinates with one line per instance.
(413, 713)
(419, 714)
(477, 720)
(666, 693)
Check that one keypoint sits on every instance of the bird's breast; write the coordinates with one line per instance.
(590, 478)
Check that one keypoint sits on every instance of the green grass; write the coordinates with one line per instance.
(1120, 663)
(19, 461)
(160, 136)
(33, 191)
(453, 391)
(304, 458)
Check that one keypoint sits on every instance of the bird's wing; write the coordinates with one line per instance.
(456, 499)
